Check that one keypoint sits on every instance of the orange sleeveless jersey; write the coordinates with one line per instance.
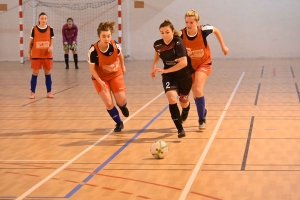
(41, 43)
(201, 54)
(103, 61)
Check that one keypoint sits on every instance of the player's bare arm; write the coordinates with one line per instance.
(122, 63)
(220, 39)
(182, 62)
(96, 76)
(155, 60)
(29, 49)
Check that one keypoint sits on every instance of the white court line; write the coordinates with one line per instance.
(25, 194)
(191, 180)
(34, 160)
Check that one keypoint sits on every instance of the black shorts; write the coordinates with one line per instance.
(182, 85)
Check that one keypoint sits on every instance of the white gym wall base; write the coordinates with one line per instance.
(251, 29)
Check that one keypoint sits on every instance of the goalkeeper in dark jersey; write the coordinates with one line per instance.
(69, 34)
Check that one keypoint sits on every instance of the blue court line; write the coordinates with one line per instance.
(73, 191)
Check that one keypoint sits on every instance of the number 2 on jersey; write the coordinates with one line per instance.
(167, 85)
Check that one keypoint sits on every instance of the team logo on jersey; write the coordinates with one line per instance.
(110, 53)
(42, 45)
(178, 43)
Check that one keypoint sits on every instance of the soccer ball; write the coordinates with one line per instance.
(159, 149)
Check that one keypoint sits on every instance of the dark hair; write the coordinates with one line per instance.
(69, 19)
(42, 13)
(106, 26)
(168, 23)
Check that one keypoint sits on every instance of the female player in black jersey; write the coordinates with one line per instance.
(176, 75)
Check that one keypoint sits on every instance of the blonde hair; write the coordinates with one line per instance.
(193, 13)
(106, 26)
(168, 23)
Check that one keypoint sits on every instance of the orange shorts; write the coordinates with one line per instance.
(41, 63)
(205, 68)
(115, 84)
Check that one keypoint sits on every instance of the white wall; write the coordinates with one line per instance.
(9, 32)
(251, 29)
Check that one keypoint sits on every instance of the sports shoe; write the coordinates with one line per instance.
(124, 111)
(76, 67)
(67, 66)
(50, 95)
(119, 127)
(181, 133)
(32, 95)
(202, 122)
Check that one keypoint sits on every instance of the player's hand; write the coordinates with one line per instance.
(153, 74)
(225, 50)
(102, 83)
(66, 46)
(50, 49)
(74, 46)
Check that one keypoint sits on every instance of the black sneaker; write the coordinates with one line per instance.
(67, 66)
(119, 127)
(125, 111)
(181, 133)
(76, 67)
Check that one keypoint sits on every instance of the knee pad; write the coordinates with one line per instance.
(184, 98)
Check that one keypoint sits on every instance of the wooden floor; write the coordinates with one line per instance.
(64, 148)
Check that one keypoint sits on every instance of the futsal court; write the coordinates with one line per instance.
(64, 148)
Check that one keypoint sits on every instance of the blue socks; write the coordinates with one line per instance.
(48, 82)
(114, 113)
(200, 104)
(33, 83)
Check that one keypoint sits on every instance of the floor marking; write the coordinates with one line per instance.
(188, 185)
(25, 194)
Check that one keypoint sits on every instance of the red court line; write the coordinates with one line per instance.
(98, 174)
(125, 192)
(204, 195)
(143, 197)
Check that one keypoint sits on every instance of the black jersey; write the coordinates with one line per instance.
(170, 52)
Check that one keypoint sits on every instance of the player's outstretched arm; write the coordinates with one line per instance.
(220, 39)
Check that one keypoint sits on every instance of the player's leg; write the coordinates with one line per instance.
(75, 56)
(118, 89)
(48, 80)
(66, 55)
(201, 76)
(106, 97)
(171, 87)
(35, 66)
(184, 90)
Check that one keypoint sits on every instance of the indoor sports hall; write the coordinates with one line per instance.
(66, 148)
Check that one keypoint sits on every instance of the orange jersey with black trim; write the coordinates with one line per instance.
(198, 45)
(108, 66)
(41, 43)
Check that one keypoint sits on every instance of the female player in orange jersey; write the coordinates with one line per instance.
(40, 53)
(176, 75)
(107, 68)
(194, 38)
